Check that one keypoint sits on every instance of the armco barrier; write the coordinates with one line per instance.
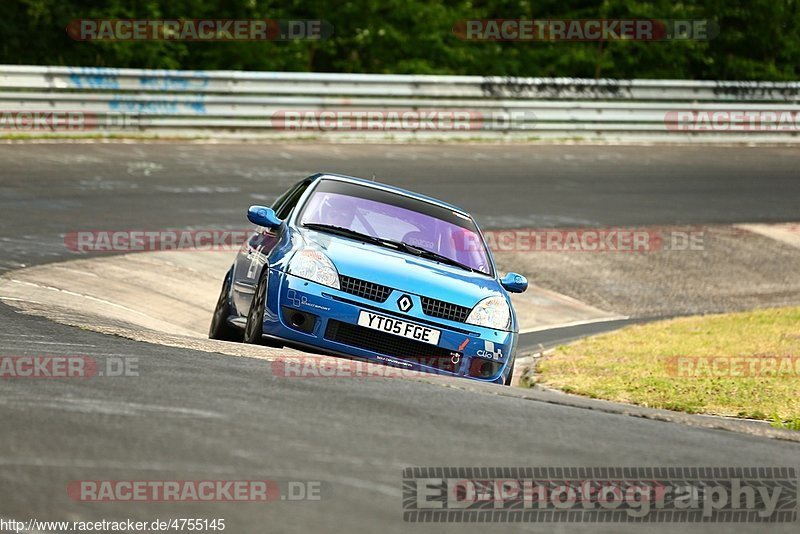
(80, 101)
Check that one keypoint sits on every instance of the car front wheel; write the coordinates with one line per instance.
(254, 330)
(510, 372)
(220, 329)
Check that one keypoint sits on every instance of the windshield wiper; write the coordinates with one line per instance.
(347, 232)
(435, 256)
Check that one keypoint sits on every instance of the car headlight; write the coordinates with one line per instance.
(315, 266)
(492, 312)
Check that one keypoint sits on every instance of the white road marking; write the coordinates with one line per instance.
(75, 294)
(104, 406)
(574, 323)
(15, 299)
(61, 343)
(788, 233)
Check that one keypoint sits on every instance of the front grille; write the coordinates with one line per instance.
(390, 345)
(444, 310)
(364, 289)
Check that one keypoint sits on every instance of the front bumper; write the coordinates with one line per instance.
(475, 352)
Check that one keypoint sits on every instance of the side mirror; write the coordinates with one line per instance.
(261, 216)
(514, 283)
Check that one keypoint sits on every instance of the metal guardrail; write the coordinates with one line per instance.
(287, 104)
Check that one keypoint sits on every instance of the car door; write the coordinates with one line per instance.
(252, 256)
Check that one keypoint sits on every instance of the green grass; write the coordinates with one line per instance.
(792, 424)
(639, 365)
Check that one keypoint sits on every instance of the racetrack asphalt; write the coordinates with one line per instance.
(194, 415)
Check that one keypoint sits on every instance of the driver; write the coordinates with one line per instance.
(338, 210)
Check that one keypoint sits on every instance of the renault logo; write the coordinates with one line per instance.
(405, 303)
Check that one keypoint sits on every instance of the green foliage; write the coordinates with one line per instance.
(758, 39)
(791, 424)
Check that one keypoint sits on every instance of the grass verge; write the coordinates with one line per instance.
(739, 364)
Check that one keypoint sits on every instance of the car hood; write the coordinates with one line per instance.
(403, 271)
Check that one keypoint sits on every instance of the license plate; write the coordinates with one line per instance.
(398, 327)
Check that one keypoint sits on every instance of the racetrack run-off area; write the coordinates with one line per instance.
(191, 414)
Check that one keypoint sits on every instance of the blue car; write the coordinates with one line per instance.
(350, 267)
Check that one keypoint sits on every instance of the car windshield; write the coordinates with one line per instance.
(393, 217)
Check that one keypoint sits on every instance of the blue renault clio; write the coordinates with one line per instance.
(354, 268)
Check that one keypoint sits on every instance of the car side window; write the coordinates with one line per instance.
(291, 200)
(281, 200)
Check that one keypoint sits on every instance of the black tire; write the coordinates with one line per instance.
(510, 373)
(220, 329)
(254, 330)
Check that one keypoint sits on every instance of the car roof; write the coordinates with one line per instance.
(387, 187)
